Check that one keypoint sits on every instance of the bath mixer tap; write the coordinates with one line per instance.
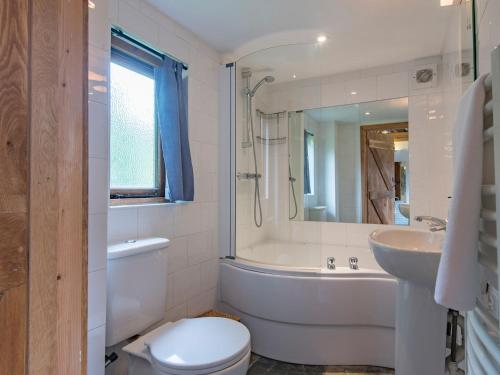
(353, 263)
(330, 263)
(435, 224)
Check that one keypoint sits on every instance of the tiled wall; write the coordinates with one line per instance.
(191, 227)
(488, 31)
(98, 142)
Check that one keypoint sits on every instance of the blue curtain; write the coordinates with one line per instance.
(172, 117)
(307, 177)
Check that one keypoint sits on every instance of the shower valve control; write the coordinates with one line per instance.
(247, 176)
(330, 263)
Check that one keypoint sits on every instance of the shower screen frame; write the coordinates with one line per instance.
(227, 162)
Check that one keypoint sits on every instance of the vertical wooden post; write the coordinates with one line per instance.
(58, 193)
(43, 186)
(14, 128)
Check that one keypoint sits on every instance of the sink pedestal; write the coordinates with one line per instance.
(420, 331)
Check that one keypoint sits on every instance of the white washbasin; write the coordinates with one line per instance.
(411, 255)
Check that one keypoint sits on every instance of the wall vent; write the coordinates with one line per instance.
(424, 76)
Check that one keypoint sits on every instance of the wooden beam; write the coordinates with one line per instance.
(14, 129)
(58, 201)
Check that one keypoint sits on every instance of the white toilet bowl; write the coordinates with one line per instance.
(200, 346)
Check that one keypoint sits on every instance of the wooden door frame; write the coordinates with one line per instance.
(43, 217)
(364, 129)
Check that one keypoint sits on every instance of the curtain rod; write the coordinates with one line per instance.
(120, 34)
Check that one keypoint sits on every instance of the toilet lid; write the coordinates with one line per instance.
(201, 345)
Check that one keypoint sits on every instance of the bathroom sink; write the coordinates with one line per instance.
(411, 255)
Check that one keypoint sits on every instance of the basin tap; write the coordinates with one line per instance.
(435, 224)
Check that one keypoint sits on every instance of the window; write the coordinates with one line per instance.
(308, 163)
(136, 162)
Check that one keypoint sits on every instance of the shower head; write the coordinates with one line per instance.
(266, 79)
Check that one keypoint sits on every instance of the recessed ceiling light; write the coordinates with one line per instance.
(294, 76)
(321, 39)
(354, 93)
(368, 113)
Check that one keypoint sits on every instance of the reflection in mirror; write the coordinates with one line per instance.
(350, 163)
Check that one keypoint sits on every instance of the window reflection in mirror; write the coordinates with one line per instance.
(350, 163)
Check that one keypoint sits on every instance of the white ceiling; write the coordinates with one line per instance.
(406, 28)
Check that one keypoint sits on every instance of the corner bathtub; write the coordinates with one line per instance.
(312, 315)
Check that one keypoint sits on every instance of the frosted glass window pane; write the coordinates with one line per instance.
(133, 130)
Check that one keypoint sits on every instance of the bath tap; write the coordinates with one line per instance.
(330, 263)
(435, 223)
(353, 263)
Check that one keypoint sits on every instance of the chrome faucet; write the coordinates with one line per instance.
(353, 263)
(330, 263)
(435, 224)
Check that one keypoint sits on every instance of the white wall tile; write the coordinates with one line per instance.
(97, 236)
(199, 247)
(176, 313)
(98, 182)
(177, 254)
(209, 216)
(96, 299)
(332, 94)
(209, 158)
(187, 219)
(98, 75)
(96, 339)
(137, 24)
(361, 90)
(155, 221)
(334, 233)
(392, 86)
(122, 224)
(187, 284)
(174, 46)
(99, 31)
(209, 274)
(200, 304)
(305, 231)
(357, 235)
(98, 130)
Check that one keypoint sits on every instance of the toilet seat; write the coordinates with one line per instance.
(199, 346)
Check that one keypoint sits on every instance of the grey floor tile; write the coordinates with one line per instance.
(266, 366)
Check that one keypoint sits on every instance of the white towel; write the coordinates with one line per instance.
(457, 283)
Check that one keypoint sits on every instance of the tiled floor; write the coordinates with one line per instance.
(265, 366)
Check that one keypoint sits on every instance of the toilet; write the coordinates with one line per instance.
(137, 296)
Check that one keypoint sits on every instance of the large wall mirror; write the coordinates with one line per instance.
(337, 128)
(350, 163)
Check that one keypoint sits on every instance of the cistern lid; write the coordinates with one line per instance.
(201, 345)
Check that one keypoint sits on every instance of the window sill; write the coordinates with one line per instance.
(138, 202)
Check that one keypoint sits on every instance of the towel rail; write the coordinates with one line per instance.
(488, 190)
(488, 239)
(489, 215)
(488, 134)
(483, 331)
